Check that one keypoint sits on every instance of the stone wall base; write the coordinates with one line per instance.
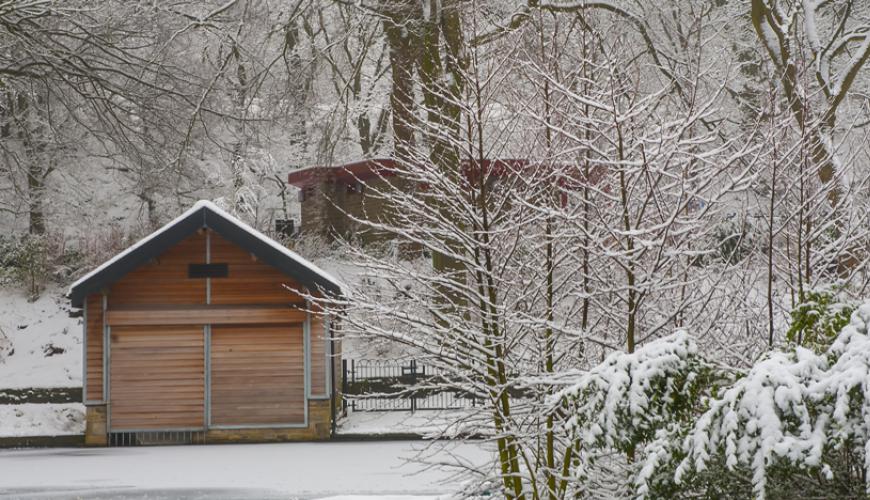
(96, 433)
(319, 428)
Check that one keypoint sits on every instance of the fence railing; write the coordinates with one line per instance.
(397, 385)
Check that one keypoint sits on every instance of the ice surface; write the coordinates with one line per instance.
(307, 470)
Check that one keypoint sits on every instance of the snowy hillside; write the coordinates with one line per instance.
(40, 345)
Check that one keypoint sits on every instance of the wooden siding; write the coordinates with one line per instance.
(94, 355)
(164, 281)
(201, 315)
(257, 375)
(249, 281)
(319, 360)
(157, 377)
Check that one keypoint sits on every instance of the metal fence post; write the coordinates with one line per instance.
(344, 384)
(414, 383)
(352, 380)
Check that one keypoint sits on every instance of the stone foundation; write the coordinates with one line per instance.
(319, 428)
(96, 433)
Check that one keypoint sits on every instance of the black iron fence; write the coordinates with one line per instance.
(398, 385)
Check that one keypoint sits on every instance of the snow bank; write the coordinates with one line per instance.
(424, 423)
(42, 420)
(32, 331)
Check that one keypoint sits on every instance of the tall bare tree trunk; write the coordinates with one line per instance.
(31, 132)
(404, 42)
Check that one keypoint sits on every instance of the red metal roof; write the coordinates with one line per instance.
(360, 170)
(386, 167)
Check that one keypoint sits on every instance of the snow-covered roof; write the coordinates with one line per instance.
(201, 215)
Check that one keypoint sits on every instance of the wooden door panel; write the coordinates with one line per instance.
(157, 377)
(257, 375)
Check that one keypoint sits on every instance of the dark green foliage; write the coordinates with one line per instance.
(25, 262)
(8, 247)
(785, 481)
(733, 242)
(33, 260)
(715, 483)
(817, 320)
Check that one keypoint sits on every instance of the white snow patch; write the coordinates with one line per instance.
(400, 422)
(42, 420)
(27, 330)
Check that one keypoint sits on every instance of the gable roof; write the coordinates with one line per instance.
(204, 214)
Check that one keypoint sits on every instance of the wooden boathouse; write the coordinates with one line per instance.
(200, 333)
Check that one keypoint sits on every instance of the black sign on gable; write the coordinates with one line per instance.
(208, 270)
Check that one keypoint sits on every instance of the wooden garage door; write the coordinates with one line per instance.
(157, 377)
(257, 375)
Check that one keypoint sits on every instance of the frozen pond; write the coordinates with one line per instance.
(286, 470)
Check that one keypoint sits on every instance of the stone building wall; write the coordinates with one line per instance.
(327, 205)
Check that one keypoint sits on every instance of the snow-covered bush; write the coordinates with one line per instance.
(32, 261)
(29, 263)
(632, 399)
(626, 399)
(666, 422)
(797, 421)
(7, 258)
(732, 240)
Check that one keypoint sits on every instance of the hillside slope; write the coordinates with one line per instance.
(40, 345)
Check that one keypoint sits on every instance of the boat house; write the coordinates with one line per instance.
(201, 332)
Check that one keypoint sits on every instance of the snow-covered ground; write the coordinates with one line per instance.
(42, 419)
(40, 345)
(387, 422)
(285, 470)
(425, 423)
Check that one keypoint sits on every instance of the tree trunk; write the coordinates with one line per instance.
(403, 44)
(35, 191)
(34, 146)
